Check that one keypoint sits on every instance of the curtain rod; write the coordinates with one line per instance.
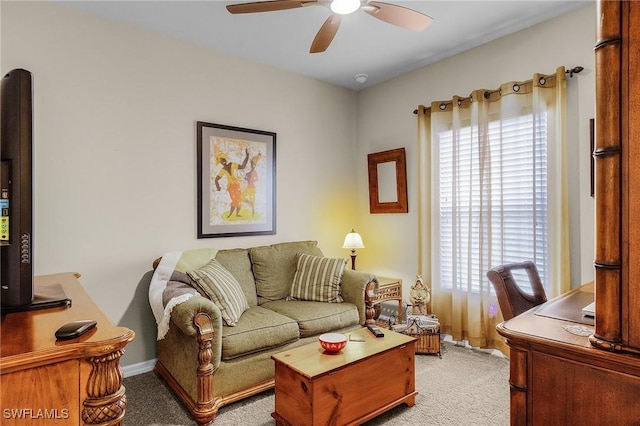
(571, 72)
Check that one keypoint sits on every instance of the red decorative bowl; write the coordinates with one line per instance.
(333, 342)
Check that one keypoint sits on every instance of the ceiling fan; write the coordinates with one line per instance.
(387, 12)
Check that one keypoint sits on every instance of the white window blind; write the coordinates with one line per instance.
(503, 191)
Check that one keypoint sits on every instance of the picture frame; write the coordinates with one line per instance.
(236, 181)
(388, 181)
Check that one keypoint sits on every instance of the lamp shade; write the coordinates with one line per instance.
(353, 240)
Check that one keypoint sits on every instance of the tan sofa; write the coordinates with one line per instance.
(209, 364)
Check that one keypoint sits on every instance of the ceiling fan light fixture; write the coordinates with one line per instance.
(345, 7)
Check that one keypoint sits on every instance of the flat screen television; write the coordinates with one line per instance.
(16, 190)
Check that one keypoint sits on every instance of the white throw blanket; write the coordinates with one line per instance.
(170, 284)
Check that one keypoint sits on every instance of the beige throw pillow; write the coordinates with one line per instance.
(274, 267)
(317, 279)
(216, 283)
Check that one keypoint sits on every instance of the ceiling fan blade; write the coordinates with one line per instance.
(398, 15)
(267, 6)
(325, 35)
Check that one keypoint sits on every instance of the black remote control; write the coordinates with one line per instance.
(375, 330)
(74, 329)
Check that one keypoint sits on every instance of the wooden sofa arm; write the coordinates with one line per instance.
(358, 287)
(183, 315)
(205, 409)
(197, 319)
(200, 317)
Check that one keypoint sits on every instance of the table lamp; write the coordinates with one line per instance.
(353, 241)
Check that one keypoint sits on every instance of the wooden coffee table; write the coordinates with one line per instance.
(365, 379)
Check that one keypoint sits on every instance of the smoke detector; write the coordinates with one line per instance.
(361, 78)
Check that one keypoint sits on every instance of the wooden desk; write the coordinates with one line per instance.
(73, 382)
(557, 377)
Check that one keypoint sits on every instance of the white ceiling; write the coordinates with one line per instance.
(363, 44)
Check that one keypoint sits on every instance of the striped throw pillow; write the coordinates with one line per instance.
(317, 279)
(216, 283)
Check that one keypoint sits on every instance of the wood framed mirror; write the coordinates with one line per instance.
(388, 182)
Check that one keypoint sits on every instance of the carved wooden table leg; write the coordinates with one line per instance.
(106, 400)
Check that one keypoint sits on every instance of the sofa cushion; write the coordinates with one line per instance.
(216, 283)
(238, 263)
(258, 329)
(316, 317)
(317, 279)
(274, 267)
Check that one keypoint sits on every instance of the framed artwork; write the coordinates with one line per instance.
(236, 181)
(388, 182)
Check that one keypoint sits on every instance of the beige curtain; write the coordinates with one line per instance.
(466, 197)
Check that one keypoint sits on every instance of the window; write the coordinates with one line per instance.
(492, 200)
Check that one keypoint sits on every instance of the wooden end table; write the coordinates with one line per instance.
(388, 289)
(368, 377)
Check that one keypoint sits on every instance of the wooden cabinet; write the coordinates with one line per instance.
(564, 372)
(72, 382)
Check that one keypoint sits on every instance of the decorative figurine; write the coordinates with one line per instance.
(419, 297)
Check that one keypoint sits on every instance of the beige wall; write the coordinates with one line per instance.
(115, 113)
(115, 140)
(386, 121)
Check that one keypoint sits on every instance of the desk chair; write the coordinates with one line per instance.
(512, 299)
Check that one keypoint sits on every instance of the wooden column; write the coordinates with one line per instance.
(608, 176)
(617, 190)
(518, 385)
(631, 167)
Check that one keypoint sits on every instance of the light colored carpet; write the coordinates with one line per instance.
(465, 387)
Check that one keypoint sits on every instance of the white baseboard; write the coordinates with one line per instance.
(465, 343)
(139, 368)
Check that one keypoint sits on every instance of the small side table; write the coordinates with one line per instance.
(388, 289)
